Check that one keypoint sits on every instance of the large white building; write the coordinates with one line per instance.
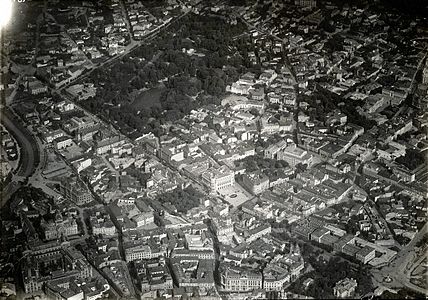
(218, 179)
(106, 228)
(50, 135)
(60, 227)
(258, 232)
(63, 142)
(106, 144)
(142, 251)
(345, 288)
(294, 155)
(196, 242)
(256, 182)
(237, 279)
(144, 218)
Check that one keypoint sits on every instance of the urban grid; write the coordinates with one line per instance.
(214, 149)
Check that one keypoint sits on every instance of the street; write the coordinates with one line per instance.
(29, 153)
(398, 269)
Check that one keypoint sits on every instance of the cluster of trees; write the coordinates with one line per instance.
(402, 294)
(140, 176)
(412, 159)
(282, 224)
(325, 101)
(412, 8)
(401, 239)
(207, 100)
(273, 139)
(352, 225)
(153, 3)
(258, 162)
(30, 194)
(275, 174)
(335, 43)
(327, 273)
(182, 199)
(272, 168)
(405, 137)
(203, 77)
(423, 241)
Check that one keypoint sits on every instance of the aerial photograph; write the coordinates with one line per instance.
(213, 149)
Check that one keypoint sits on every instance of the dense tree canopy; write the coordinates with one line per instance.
(182, 199)
(412, 159)
(196, 59)
(327, 273)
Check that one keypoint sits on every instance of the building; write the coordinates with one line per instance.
(240, 279)
(193, 272)
(144, 218)
(170, 154)
(306, 3)
(350, 249)
(258, 232)
(5, 169)
(319, 233)
(275, 277)
(243, 85)
(78, 124)
(242, 103)
(343, 241)
(63, 142)
(154, 274)
(104, 228)
(75, 190)
(64, 106)
(366, 254)
(256, 182)
(375, 103)
(283, 269)
(304, 229)
(425, 73)
(101, 224)
(81, 163)
(405, 174)
(328, 240)
(60, 227)
(268, 76)
(199, 254)
(64, 289)
(223, 229)
(257, 94)
(218, 179)
(293, 155)
(195, 169)
(345, 288)
(272, 151)
(52, 261)
(94, 290)
(87, 134)
(106, 144)
(35, 87)
(50, 135)
(196, 242)
(142, 250)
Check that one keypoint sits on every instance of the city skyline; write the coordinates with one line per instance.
(209, 149)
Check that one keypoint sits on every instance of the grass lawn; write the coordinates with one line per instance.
(148, 98)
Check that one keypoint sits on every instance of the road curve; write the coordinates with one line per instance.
(29, 151)
(397, 268)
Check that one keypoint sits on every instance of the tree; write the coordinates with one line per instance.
(254, 112)
(412, 159)
(182, 199)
